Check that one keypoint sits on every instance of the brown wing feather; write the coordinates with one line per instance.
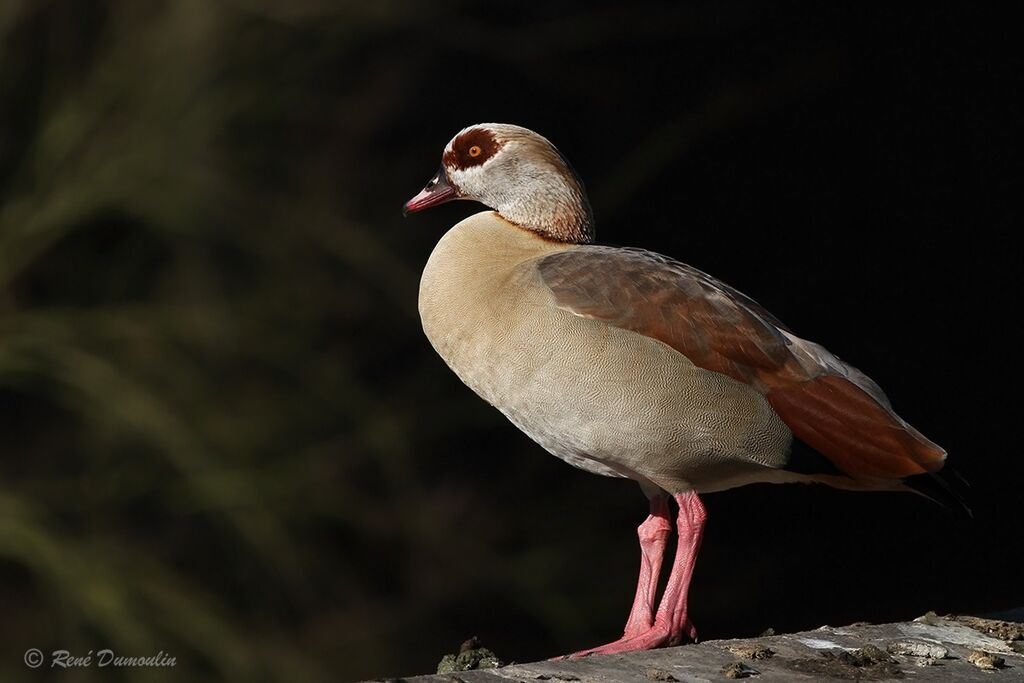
(828, 404)
(714, 326)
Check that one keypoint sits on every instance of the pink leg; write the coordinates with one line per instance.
(671, 623)
(672, 612)
(653, 533)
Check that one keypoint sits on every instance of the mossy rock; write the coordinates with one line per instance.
(471, 656)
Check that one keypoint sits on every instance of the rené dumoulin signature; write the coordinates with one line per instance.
(107, 657)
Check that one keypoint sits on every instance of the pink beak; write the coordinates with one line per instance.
(438, 191)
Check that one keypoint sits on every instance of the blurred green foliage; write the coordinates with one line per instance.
(222, 433)
(201, 381)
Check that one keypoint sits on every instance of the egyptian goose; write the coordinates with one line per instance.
(627, 363)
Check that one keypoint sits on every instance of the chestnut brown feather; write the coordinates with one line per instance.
(831, 406)
(713, 325)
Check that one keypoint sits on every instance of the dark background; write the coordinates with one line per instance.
(224, 436)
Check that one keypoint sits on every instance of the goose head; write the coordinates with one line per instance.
(516, 172)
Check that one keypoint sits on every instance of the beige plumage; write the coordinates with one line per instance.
(605, 399)
(626, 363)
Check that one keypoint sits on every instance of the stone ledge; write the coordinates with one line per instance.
(930, 648)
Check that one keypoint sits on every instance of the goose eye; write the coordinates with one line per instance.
(475, 151)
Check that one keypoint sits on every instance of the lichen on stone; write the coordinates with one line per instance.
(471, 656)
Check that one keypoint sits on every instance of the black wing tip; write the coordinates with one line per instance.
(940, 488)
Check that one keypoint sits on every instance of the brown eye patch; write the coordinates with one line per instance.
(471, 148)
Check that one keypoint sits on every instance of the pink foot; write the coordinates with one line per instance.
(650, 640)
(655, 637)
